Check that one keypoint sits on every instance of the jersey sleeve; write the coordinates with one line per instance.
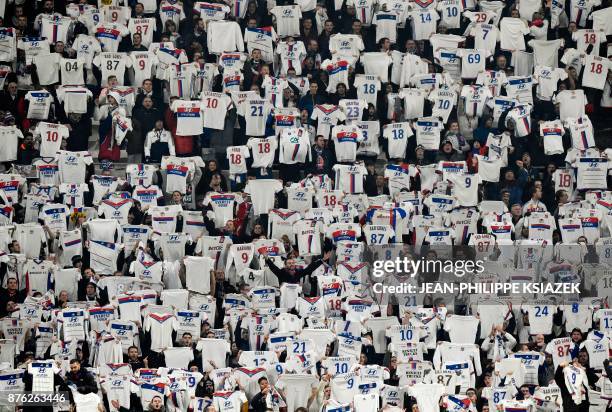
(87, 159)
(238, 37)
(359, 44)
(525, 28)
(278, 186)
(575, 36)
(315, 114)
(550, 348)
(64, 131)
(123, 30)
(248, 188)
(146, 325)
(275, 10)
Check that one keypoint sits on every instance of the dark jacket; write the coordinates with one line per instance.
(370, 186)
(26, 155)
(285, 276)
(306, 38)
(258, 403)
(136, 138)
(83, 380)
(515, 187)
(308, 102)
(81, 287)
(81, 129)
(252, 70)
(80, 125)
(135, 365)
(321, 161)
(454, 156)
(158, 102)
(192, 36)
(140, 48)
(146, 119)
(7, 103)
(324, 46)
(5, 298)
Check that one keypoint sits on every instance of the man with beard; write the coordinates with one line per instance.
(80, 378)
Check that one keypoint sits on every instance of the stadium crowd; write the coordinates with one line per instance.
(275, 151)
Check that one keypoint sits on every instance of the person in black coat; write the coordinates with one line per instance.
(375, 184)
(27, 149)
(10, 294)
(134, 139)
(136, 44)
(322, 157)
(136, 362)
(324, 38)
(252, 69)
(146, 90)
(197, 35)
(9, 99)
(80, 128)
(84, 381)
(258, 403)
(146, 115)
(313, 97)
(608, 369)
(290, 274)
